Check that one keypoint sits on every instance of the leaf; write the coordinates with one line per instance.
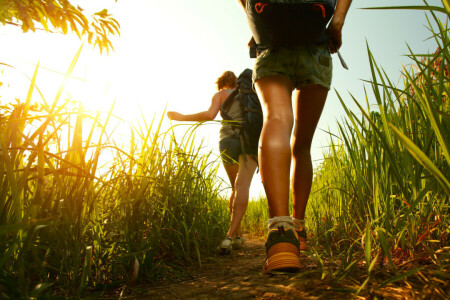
(86, 269)
(42, 20)
(384, 246)
(363, 285)
(422, 159)
(103, 13)
(398, 277)
(367, 245)
(446, 4)
(372, 264)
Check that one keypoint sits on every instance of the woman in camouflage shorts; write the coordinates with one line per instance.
(307, 69)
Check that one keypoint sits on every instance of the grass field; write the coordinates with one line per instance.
(70, 226)
(381, 197)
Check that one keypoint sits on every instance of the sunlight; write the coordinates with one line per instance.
(144, 74)
(98, 186)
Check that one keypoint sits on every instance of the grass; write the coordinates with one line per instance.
(381, 196)
(380, 200)
(379, 206)
(70, 227)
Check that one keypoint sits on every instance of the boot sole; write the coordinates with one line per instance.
(282, 262)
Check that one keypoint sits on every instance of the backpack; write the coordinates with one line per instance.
(275, 23)
(250, 129)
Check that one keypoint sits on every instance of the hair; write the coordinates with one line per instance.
(227, 79)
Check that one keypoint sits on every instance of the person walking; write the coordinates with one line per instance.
(239, 165)
(300, 62)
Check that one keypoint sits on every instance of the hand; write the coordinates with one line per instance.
(173, 115)
(335, 33)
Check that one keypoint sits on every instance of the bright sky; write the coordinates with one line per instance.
(171, 52)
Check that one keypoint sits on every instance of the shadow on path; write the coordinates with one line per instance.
(239, 276)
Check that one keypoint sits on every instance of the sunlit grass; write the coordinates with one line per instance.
(81, 213)
(381, 196)
(68, 224)
(379, 203)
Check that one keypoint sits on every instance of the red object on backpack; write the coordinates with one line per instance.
(259, 7)
(320, 8)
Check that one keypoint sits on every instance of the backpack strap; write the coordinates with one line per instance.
(241, 139)
(226, 104)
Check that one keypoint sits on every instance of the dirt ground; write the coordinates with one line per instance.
(239, 276)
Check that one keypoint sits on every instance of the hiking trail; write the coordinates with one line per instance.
(239, 276)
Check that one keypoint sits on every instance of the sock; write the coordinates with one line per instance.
(299, 224)
(285, 221)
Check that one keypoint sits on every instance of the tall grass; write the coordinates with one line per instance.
(256, 216)
(381, 196)
(68, 225)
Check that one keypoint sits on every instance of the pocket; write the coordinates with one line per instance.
(324, 57)
(323, 64)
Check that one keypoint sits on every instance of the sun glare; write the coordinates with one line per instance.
(162, 63)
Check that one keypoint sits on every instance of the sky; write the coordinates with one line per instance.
(170, 53)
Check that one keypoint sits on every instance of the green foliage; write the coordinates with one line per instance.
(68, 225)
(60, 15)
(256, 216)
(381, 196)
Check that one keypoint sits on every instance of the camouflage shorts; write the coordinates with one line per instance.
(304, 65)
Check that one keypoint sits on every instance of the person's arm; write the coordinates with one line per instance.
(242, 3)
(336, 24)
(206, 115)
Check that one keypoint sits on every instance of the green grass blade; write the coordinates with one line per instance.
(384, 246)
(446, 4)
(422, 159)
(388, 150)
(367, 245)
(66, 77)
(397, 278)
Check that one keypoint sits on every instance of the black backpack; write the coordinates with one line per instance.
(287, 23)
(250, 129)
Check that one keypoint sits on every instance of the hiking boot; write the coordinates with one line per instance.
(302, 239)
(225, 246)
(238, 242)
(282, 251)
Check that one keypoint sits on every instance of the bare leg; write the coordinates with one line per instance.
(242, 187)
(232, 171)
(275, 93)
(309, 104)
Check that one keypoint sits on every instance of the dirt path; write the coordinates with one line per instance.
(239, 276)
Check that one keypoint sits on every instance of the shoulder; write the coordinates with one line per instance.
(223, 94)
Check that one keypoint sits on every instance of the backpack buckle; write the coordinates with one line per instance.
(253, 51)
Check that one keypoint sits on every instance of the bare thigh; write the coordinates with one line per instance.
(309, 103)
(246, 171)
(232, 172)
